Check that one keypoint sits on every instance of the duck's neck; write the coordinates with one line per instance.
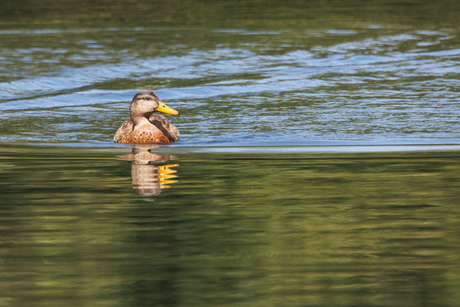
(139, 120)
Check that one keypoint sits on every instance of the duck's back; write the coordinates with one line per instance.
(159, 130)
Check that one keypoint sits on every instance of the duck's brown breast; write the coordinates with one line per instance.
(146, 133)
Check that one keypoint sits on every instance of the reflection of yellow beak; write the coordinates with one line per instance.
(166, 175)
(165, 109)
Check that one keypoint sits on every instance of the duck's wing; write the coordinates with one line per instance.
(169, 130)
(124, 132)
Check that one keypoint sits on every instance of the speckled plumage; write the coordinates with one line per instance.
(147, 133)
(144, 126)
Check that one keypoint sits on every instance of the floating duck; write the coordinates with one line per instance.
(144, 125)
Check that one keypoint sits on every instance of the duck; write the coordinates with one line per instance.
(144, 124)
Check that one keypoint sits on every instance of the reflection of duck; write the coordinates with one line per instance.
(144, 126)
(149, 179)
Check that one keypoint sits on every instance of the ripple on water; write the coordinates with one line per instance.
(367, 84)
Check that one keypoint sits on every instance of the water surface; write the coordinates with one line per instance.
(90, 227)
(370, 81)
(318, 165)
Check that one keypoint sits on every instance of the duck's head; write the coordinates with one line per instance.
(145, 103)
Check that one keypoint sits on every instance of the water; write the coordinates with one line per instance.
(96, 227)
(318, 163)
(367, 82)
(391, 86)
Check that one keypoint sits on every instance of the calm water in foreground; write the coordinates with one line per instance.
(318, 166)
(101, 227)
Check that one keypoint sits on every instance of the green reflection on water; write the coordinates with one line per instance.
(254, 229)
(236, 14)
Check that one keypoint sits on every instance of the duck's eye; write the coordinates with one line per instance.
(148, 98)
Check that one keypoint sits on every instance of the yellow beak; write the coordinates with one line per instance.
(165, 109)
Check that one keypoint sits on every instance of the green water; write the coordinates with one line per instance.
(300, 229)
(318, 163)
